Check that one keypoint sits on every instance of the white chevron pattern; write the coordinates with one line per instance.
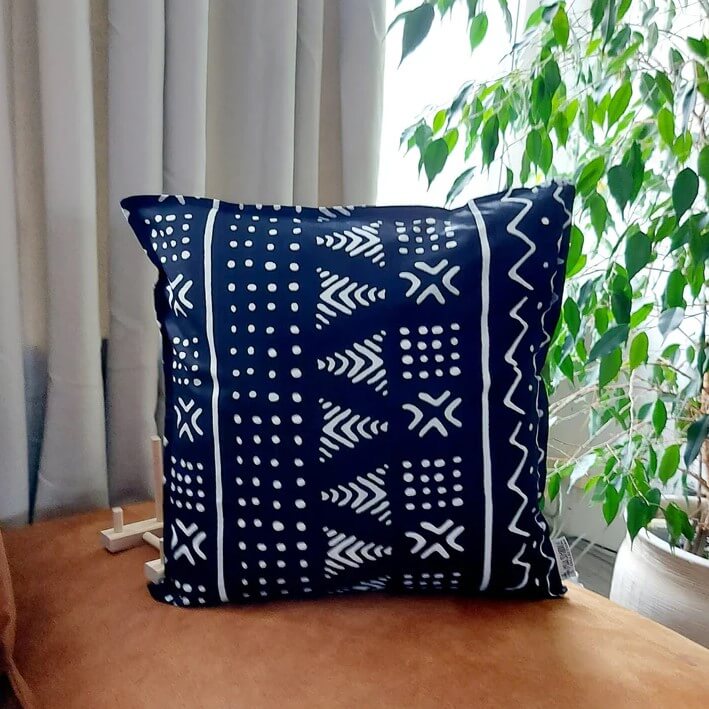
(328, 213)
(340, 295)
(364, 494)
(358, 241)
(177, 295)
(361, 363)
(343, 428)
(346, 551)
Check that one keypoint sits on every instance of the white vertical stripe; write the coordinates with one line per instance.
(208, 231)
(485, 367)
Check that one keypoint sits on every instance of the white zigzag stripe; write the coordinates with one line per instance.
(513, 273)
(361, 362)
(512, 484)
(514, 231)
(365, 494)
(541, 523)
(348, 551)
(512, 361)
(359, 240)
(341, 295)
(344, 428)
(517, 561)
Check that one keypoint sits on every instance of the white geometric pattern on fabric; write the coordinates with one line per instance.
(360, 362)
(340, 294)
(341, 427)
(358, 241)
(345, 550)
(367, 493)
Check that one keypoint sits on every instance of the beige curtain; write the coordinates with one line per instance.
(252, 100)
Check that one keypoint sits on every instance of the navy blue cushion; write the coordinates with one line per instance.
(354, 399)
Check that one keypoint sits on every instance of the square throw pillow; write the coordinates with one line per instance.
(353, 394)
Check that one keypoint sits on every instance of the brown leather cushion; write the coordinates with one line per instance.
(89, 635)
(13, 689)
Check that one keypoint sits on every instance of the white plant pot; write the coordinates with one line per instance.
(667, 585)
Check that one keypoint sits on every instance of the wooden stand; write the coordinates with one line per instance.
(126, 536)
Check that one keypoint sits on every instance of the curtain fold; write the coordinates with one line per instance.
(248, 100)
(14, 475)
(136, 32)
(73, 458)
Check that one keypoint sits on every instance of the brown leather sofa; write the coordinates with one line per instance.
(90, 636)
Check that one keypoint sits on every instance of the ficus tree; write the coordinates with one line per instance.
(611, 95)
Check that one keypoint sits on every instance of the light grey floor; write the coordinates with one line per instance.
(595, 566)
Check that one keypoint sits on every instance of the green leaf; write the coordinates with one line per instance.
(640, 315)
(669, 463)
(666, 126)
(678, 523)
(560, 27)
(478, 30)
(684, 191)
(703, 164)
(620, 305)
(553, 485)
(535, 18)
(640, 514)
(597, 10)
(572, 317)
(665, 86)
(552, 77)
(633, 160)
(439, 120)
(599, 213)
(611, 503)
(591, 173)
(638, 350)
(638, 252)
(674, 292)
(575, 251)
(451, 138)
(417, 24)
(619, 102)
(620, 183)
(670, 320)
(659, 417)
(490, 139)
(459, 184)
(561, 127)
(533, 146)
(612, 338)
(609, 368)
(435, 158)
(699, 46)
(696, 435)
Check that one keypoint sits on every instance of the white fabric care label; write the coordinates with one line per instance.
(565, 559)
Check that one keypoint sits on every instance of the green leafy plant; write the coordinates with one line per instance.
(615, 101)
